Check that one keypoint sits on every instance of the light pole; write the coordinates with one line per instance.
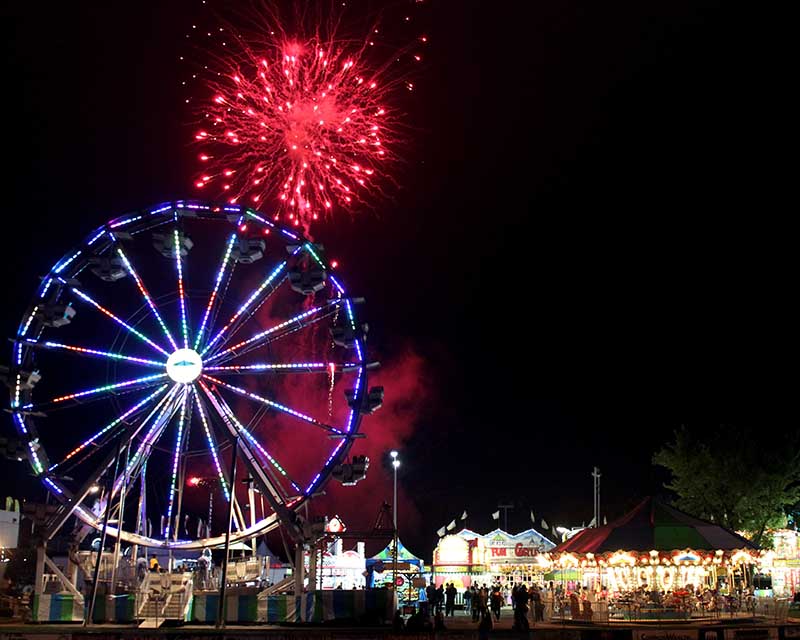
(395, 464)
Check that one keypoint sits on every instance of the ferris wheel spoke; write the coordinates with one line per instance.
(181, 290)
(212, 445)
(237, 428)
(212, 300)
(91, 353)
(128, 436)
(146, 295)
(275, 405)
(99, 392)
(161, 416)
(87, 298)
(284, 367)
(179, 439)
(254, 301)
(106, 429)
(293, 324)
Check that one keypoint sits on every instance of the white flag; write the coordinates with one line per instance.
(605, 521)
(464, 515)
(440, 532)
(544, 523)
(199, 527)
(591, 522)
(496, 515)
(533, 518)
(452, 525)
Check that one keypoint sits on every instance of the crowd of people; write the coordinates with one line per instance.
(485, 604)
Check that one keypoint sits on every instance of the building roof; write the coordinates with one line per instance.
(654, 525)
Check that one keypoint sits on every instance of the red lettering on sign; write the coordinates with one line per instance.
(521, 551)
(498, 551)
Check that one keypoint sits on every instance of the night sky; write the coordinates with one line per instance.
(590, 244)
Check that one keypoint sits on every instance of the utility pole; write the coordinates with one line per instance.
(596, 476)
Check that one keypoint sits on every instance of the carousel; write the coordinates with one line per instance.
(656, 558)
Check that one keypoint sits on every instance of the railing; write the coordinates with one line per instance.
(718, 608)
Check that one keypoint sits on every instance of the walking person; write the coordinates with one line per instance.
(468, 599)
(521, 609)
(496, 602)
(478, 603)
(450, 600)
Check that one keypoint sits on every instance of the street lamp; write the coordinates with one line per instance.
(395, 465)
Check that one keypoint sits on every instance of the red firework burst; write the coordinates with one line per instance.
(304, 125)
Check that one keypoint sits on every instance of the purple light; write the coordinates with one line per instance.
(212, 298)
(336, 283)
(226, 412)
(175, 459)
(146, 296)
(179, 267)
(211, 445)
(266, 283)
(95, 352)
(110, 426)
(271, 330)
(274, 405)
(164, 405)
(122, 223)
(108, 387)
(119, 321)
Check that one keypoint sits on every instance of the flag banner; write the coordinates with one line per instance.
(452, 525)
(533, 518)
(440, 532)
(605, 521)
(496, 515)
(544, 523)
(464, 515)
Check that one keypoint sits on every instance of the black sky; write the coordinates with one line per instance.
(592, 244)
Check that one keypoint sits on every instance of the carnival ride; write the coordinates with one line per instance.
(169, 339)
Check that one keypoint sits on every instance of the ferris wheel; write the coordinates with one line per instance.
(170, 339)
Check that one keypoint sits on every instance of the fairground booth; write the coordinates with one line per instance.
(409, 571)
(657, 547)
(468, 558)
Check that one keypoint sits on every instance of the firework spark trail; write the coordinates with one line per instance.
(304, 124)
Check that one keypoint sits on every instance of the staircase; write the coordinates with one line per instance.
(164, 597)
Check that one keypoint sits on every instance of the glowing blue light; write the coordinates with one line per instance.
(96, 237)
(63, 266)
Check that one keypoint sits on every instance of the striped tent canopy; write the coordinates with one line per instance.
(653, 525)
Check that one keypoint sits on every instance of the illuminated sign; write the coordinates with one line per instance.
(452, 550)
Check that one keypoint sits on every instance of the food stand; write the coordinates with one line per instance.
(468, 558)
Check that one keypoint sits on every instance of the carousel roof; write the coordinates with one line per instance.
(653, 525)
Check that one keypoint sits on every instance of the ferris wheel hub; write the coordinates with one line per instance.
(184, 366)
